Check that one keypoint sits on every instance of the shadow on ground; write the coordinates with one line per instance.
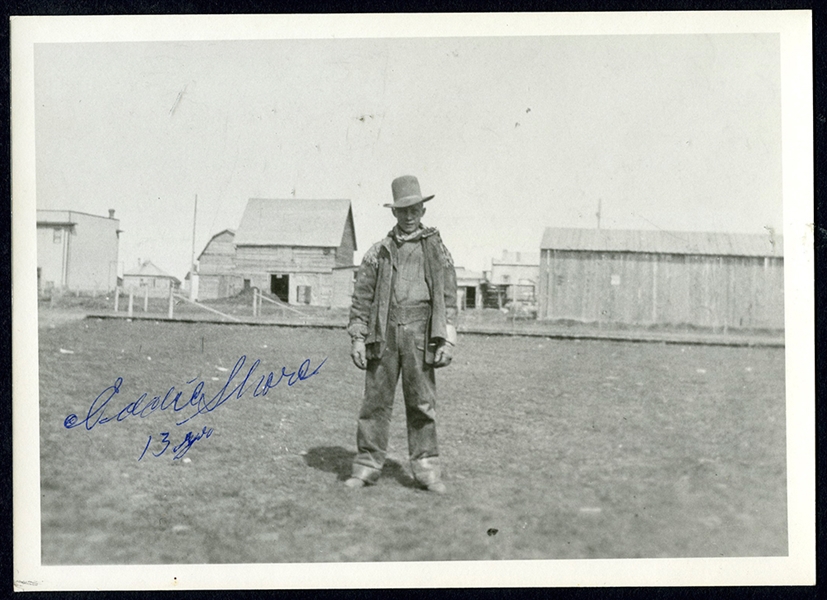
(335, 459)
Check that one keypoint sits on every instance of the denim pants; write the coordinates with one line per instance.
(404, 352)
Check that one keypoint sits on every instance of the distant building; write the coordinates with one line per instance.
(148, 278)
(77, 251)
(469, 291)
(716, 280)
(216, 268)
(298, 250)
(516, 274)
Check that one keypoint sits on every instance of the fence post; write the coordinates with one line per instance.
(146, 299)
(171, 302)
(129, 310)
(117, 295)
(255, 291)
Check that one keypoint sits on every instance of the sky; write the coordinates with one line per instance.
(511, 134)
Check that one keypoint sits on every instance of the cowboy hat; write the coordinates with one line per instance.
(406, 192)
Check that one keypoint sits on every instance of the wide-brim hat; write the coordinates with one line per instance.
(406, 192)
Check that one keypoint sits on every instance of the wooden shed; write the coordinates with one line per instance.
(715, 280)
(298, 250)
(469, 289)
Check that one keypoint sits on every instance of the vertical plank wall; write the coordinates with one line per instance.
(647, 289)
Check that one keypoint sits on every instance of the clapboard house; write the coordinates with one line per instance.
(709, 280)
(300, 251)
(216, 266)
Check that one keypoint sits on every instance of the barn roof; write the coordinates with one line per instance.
(148, 269)
(293, 222)
(220, 233)
(662, 242)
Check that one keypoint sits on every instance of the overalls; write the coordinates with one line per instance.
(403, 353)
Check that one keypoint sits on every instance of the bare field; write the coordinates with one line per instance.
(552, 449)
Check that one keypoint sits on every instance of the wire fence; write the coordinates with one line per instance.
(250, 306)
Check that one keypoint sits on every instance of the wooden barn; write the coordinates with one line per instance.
(714, 280)
(298, 250)
(216, 266)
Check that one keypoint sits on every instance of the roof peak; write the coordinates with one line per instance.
(309, 222)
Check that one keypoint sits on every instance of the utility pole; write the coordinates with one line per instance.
(193, 275)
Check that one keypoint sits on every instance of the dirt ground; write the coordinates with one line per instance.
(552, 449)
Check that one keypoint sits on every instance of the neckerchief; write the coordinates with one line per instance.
(400, 237)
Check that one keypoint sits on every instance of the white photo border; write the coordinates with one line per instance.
(798, 568)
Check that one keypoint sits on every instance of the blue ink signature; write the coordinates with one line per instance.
(179, 401)
(181, 449)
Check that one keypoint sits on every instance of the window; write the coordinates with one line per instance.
(615, 279)
(303, 294)
(57, 236)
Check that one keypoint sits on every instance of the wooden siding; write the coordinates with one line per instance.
(320, 286)
(307, 266)
(642, 288)
(252, 260)
(219, 255)
(344, 253)
(211, 287)
(342, 291)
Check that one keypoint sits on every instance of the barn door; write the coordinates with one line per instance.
(280, 287)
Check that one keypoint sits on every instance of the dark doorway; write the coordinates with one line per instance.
(280, 287)
(470, 296)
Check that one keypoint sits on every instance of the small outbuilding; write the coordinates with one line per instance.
(469, 289)
(150, 279)
(714, 280)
